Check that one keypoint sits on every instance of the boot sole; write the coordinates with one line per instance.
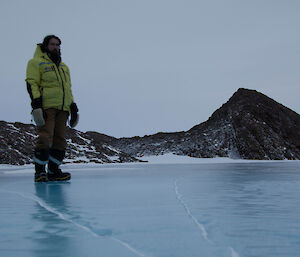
(41, 179)
(65, 178)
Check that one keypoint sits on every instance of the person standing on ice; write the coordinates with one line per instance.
(49, 86)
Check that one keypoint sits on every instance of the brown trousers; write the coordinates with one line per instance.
(52, 134)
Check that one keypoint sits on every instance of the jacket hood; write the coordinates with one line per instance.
(38, 53)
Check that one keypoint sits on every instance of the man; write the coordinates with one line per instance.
(49, 86)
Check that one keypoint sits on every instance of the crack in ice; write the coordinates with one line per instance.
(233, 252)
(63, 217)
(199, 225)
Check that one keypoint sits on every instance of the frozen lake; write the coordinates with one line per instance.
(161, 210)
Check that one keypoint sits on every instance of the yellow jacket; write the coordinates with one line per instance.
(51, 83)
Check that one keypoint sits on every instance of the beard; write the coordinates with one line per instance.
(55, 56)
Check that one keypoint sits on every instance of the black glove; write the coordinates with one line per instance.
(36, 103)
(74, 115)
(37, 112)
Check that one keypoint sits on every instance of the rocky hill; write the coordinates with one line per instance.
(17, 144)
(249, 126)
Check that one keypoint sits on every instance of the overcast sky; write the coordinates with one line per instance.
(141, 67)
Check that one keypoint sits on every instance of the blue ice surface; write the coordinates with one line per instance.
(161, 210)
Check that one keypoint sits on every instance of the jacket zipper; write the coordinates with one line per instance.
(53, 68)
(64, 75)
(63, 88)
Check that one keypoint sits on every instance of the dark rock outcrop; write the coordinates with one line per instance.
(16, 143)
(254, 127)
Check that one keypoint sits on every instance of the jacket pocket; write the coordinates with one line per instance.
(51, 97)
(50, 75)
